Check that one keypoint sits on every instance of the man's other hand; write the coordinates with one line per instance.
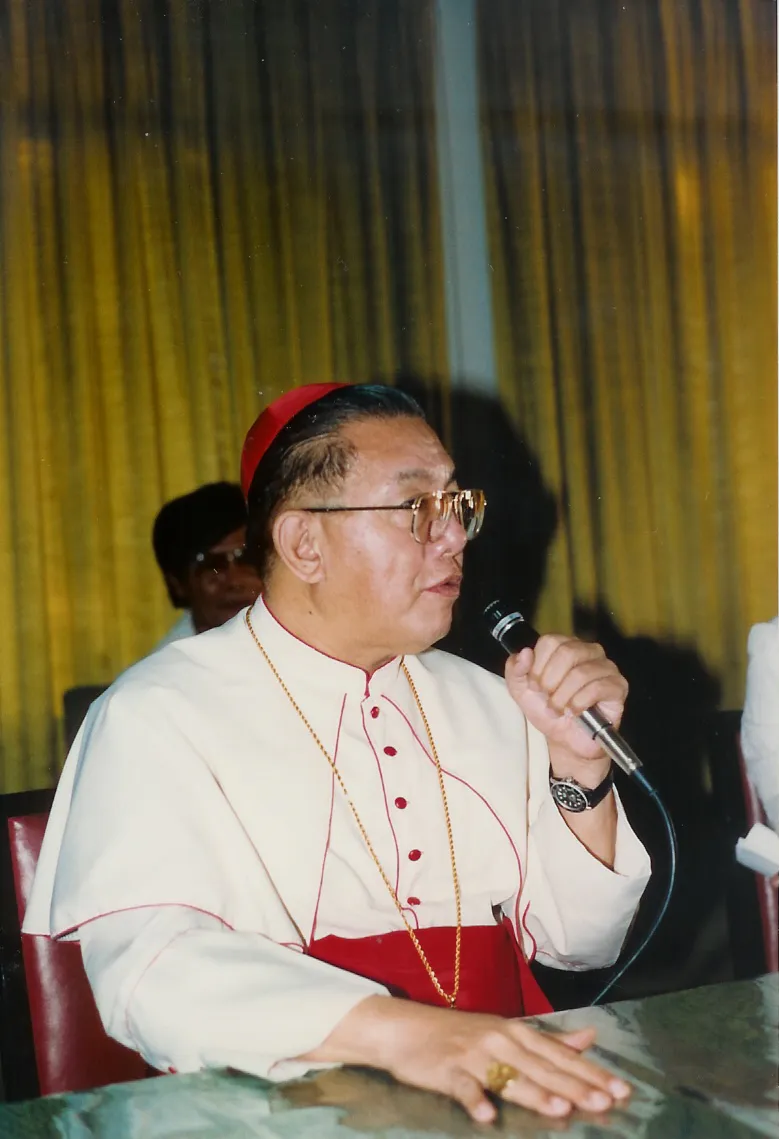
(451, 1052)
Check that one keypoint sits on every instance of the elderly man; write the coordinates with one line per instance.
(269, 837)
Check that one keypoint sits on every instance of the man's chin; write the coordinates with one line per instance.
(431, 635)
(234, 609)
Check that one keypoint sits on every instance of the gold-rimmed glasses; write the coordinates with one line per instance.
(430, 512)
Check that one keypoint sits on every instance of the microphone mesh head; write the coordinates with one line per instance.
(493, 612)
(496, 612)
(509, 628)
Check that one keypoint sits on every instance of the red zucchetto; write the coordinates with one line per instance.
(270, 421)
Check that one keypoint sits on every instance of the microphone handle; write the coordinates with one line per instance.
(602, 730)
(514, 633)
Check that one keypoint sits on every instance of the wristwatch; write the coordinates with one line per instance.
(571, 796)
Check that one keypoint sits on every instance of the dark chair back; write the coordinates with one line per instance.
(768, 902)
(51, 1036)
(75, 703)
(751, 900)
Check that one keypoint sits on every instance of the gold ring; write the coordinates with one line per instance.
(499, 1076)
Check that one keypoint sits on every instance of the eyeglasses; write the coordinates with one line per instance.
(430, 513)
(219, 561)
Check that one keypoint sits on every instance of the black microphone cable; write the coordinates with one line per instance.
(513, 633)
(673, 851)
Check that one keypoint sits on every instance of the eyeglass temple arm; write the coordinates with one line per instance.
(353, 509)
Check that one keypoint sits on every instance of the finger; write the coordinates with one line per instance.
(525, 1092)
(594, 682)
(576, 1090)
(579, 1040)
(545, 1080)
(546, 646)
(520, 664)
(610, 703)
(469, 1093)
(550, 671)
(567, 1058)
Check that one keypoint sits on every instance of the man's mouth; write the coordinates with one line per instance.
(449, 587)
(238, 601)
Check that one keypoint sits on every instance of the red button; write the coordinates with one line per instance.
(374, 712)
(401, 803)
(413, 901)
(415, 855)
(390, 751)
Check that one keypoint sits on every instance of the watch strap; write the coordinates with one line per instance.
(591, 795)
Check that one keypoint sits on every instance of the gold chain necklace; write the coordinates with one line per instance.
(450, 998)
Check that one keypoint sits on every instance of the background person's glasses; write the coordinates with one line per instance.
(219, 561)
(430, 513)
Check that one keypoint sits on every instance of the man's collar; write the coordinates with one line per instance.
(296, 660)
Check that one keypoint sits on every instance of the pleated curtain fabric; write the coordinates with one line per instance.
(630, 159)
(202, 203)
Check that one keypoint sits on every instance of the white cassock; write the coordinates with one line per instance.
(198, 841)
(183, 628)
(760, 720)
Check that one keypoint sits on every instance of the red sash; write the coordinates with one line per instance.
(494, 976)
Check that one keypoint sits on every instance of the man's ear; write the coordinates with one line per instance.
(178, 591)
(297, 538)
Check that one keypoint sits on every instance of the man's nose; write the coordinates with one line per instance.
(239, 573)
(453, 539)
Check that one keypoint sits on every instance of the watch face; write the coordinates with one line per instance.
(569, 796)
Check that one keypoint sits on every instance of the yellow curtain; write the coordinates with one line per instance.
(202, 203)
(630, 155)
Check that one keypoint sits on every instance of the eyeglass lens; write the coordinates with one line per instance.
(219, 561)
(434, 511)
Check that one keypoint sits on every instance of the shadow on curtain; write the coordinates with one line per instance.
(630, 153)
(202, 203)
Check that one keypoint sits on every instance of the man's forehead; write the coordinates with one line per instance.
(444, 471)
(234, 539)
(404, 449)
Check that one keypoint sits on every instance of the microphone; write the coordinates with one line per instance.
(513, 633)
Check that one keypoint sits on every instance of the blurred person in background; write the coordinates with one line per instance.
(199, 542)
(760, 720)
